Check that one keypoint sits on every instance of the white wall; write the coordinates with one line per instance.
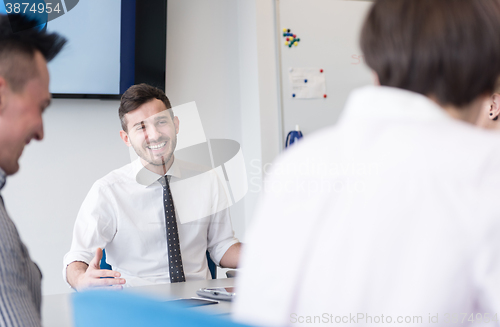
(268, 80)
(259, 92)
(249, 102)
(203, 66)
(206, 60)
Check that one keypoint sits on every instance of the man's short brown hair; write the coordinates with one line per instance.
(136, 96)
(448, 49)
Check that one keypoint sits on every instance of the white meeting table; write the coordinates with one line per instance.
(57, 309)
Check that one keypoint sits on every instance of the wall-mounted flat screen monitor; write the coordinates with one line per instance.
(112, 44)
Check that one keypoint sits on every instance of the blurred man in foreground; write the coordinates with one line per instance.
(24, 95)
(393, 216)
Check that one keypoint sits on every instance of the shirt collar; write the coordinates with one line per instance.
(382, 102)
(146, 177)
(3, 178)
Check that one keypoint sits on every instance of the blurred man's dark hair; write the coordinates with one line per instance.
(445, 49)
(17, 49)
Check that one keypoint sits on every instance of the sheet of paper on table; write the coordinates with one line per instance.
(307, 83)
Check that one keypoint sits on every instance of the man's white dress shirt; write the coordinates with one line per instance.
(123, 213)
(394, 211)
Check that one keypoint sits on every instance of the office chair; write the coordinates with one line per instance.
(211, 265)
(103, 264)
(231, 273)
(109, 308)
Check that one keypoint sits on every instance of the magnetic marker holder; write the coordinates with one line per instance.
(290, 38)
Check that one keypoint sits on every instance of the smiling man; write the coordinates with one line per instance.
(138, 212)
(155, 143)
(24, 95)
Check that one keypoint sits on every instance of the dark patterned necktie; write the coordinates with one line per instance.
(174, 250)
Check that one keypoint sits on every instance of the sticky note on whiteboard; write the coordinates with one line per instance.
(307, 83)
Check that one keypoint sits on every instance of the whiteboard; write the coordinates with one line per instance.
(329, 39)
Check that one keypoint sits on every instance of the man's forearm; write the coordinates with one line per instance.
(231, 258)
(74, 270)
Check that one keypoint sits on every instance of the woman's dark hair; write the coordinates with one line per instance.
(448, 49)
(20, 38)
(136, 96)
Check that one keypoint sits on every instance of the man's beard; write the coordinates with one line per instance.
(143, 153)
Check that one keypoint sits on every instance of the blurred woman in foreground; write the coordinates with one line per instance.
(392, 215)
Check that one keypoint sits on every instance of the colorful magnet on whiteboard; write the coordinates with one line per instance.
(324, 96)
(291, 39)
(305, 81)
(321, 70)
(293, 95)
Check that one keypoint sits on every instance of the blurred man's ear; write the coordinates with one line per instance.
(495, 107)
(176, 124)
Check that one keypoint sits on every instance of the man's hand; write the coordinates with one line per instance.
(81, 276)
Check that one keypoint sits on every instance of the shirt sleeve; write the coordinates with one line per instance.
(220, 230)
(95, 226)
